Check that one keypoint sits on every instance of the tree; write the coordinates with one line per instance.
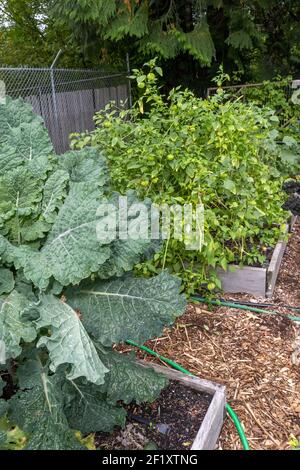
(256, 38)
(29, 36)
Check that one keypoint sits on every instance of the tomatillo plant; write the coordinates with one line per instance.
(181, 149)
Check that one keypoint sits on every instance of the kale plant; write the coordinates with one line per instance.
(67, 298)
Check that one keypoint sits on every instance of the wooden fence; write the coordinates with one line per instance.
(74, 110)
(67, 99)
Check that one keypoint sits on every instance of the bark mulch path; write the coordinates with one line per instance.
(256, 356)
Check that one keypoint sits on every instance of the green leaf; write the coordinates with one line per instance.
(34, 230)
(20, 192)
(23, 286)
(72, 250)
(198, 42)
(289, 156)
(289, 141)
(2, 385)
(273, 134)
(129, 381)
(224, 263)
(29, 144)
(12, 113)
(3, 407)
(29, 373)
(7, 281)
(68, 342)
(54, 192)
(39, 413)
(85, 166)
(159, 71)
(125, 254)
(88, 410)
(239, 40)
(129, 308)
(13, 328)
(230, 185)
(12, 254)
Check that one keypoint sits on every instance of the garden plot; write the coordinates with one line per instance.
(259, 281)
(227, 156)
(253, 355)
(188, 414)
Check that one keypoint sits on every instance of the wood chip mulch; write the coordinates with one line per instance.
(256, 356)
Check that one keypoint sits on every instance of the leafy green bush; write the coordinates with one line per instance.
(63, 303)
(275, 95)
(278, 96)
(182, 149)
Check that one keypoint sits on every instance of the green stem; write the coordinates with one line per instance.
(165, 254)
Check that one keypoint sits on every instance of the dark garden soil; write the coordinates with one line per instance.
(9, 387)
(171, 422)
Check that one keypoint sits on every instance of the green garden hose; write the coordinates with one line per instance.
(176, 366)
(260, 304)
(162, 358)
(238, 426)
(223, 303)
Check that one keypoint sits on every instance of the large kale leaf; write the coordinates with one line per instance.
(66, 291)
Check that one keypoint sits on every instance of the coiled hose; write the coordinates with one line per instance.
(176, 366)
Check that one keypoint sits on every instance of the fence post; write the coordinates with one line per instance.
(53, 92)
(129, 81)
(57, 99)
(53, 82)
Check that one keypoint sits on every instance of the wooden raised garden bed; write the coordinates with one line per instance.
(187, 415)
(252, 280)
(210, 428)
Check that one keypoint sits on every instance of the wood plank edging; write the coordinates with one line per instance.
(209, 432)
(273, 268)
(246, 279)
(212, 423)
(255, 280)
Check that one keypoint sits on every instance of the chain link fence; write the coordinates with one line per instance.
(67, 99)
(241, 90)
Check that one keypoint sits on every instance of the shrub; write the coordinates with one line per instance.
(65, 297)
(278, 96)
(182, 149)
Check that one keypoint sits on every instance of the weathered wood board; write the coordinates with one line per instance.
(292, 222)
(74, 110)
(273, 268)
(248, 279)
(210, 428)
(260, 282)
